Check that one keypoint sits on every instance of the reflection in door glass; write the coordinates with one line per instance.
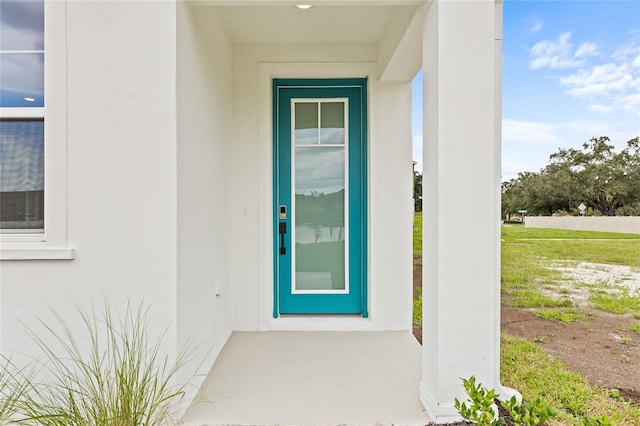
(320, 218)
(332, 123)
(306, 123)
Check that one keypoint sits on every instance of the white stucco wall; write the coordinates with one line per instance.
(168, 177)
(120, 173)
(624, 224)
(390, 203)
(205, 117)
(391, 232)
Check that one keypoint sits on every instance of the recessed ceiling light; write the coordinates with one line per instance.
(29, 99)
(303, 6)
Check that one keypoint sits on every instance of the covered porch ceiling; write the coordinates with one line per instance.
(394, 26)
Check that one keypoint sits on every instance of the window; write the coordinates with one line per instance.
(33, 130)
(22, 176)
(22, 116)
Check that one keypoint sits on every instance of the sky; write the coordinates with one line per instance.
(571, 71)
(22, 57)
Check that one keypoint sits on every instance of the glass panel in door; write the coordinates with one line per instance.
(320, 261)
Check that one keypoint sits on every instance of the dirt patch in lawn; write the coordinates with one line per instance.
(580, 280)
(597, 347)
(598, 274)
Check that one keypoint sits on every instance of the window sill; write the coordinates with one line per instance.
(37, 254)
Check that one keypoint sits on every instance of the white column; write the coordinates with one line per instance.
(497, 87)
(461, 253)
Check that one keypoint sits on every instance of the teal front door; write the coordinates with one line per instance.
(320, 196)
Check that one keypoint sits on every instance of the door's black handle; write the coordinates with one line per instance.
(283, 230)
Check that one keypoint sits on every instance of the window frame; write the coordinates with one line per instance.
(52, 243)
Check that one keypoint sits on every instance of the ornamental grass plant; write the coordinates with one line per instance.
(111, 373)
(14, 386)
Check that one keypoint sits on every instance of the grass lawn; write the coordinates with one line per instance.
(585, 246)
(526, 367)
(417, 235)
(526, 255)
(417, 259)
(519, 232)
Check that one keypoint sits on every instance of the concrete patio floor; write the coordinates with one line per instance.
(313, 378)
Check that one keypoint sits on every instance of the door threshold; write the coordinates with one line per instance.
(317, 322)
(321, 316)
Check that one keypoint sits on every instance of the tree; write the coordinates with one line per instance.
(595, 172)
(595, 175)
(417, 191)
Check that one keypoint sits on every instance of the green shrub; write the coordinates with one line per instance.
(597, 421)
(482, 408)
(528, 413)
(482, 402)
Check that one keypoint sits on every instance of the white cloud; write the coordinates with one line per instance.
(629, 103)
(537, 26)
(510, 169)
(590, 127)
(629, 50)
(21, 39)
(586, 50)
(615, 84)
(601, 80)
(560, 53)
(23, 73)
(539, 133)
(527, 145)
(319, 170)
(606, 81)
(22, 25)
(599, 108)
(529, 132)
